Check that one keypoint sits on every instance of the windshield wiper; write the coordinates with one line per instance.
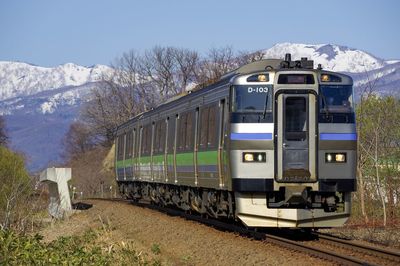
(266, 104)
(326, 108)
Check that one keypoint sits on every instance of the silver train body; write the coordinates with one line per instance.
(272, 144)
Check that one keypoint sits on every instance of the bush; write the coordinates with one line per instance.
(18, 249)
(91, 248)
(15, 190)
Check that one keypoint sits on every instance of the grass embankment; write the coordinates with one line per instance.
(86, 249)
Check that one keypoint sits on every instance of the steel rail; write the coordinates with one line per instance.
(359, 247)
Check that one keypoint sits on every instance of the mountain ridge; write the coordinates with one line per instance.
(332, 57)
(22, 79)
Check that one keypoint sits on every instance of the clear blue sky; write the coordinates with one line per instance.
(87, 32)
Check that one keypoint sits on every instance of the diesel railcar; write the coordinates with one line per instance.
(272, 144)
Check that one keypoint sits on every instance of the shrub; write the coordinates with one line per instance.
(87, 249)
(16, 249)
(15, 190)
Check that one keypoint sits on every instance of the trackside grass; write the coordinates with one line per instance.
(86, 249)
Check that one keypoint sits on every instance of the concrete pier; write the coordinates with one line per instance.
(60, 202)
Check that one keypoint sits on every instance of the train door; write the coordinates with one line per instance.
(170, 149)
(166, 143)
(124, 154)
(221, 154)
(139, 161)
(196, 146)
(295, 126)
(134, 154)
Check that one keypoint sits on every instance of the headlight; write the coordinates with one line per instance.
(257, 157)
(335, 157)
(340, 157)
(248, 157)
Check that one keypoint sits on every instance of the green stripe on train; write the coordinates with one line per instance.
(207, 157)
(182, 159)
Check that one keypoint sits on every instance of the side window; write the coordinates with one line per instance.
(120, 155)
(134, 147)
(149, 138)
(212, 127)
(128, 148)
(118, 148)
(146, 140)
(182, 132)
(171, 133)
(186, 132)
(156, 137)
(143, 140)
(163, 133)
(189, 132)
(203, 127)
(123, 145)
(159, 137)
(138, 141)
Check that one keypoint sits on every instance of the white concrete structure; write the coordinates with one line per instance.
(57, 178)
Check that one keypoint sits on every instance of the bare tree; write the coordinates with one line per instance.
(367, 91)
(157, 69)
(380, 147)
(247, 57)
(128, 87)
(217, 63)
(137, 84)
(119, 97)
(220, 61)
(168, 70)
(187, 64)
(78, 140)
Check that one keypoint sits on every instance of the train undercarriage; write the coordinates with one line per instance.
(254, 210)
(214, 203)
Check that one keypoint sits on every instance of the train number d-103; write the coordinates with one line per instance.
(257, 89)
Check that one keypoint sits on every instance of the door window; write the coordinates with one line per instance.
(296, 119)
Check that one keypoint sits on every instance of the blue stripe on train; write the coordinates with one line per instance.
(338, 136)
(251, 136)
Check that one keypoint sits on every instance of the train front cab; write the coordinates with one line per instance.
(313, 155)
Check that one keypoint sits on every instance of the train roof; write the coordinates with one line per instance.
(253, 67)
(179, 98)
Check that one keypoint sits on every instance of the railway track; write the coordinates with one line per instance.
(377, 255)
(323, 246)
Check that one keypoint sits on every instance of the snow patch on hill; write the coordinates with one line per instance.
(331, 57)
(21, 79)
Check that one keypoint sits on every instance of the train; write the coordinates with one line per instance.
(270, 144)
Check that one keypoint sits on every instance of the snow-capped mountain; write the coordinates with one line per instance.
(21, 79)
(331, 57)
(47, 101)
(40, 103)
(385, 80)
(364, 67)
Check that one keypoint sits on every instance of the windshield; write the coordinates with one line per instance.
(336, 99)
(251, 98)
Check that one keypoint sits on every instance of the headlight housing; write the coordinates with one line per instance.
(254, 157)
(336, 157)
